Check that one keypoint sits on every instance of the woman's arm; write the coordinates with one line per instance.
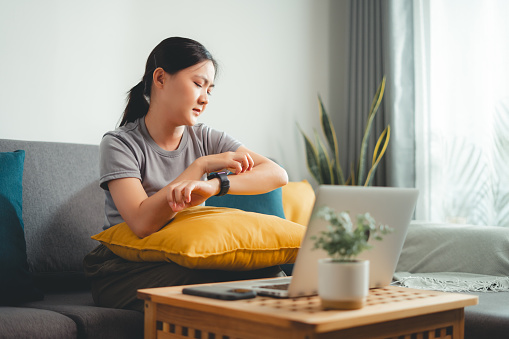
(256, 176)
(265, 176)
(146, 215)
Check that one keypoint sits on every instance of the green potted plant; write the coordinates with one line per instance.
(343, 280)
(323, 163)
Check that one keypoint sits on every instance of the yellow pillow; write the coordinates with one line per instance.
(298, 201)
(211, 238)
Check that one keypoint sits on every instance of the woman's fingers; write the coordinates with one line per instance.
(235, 167)
(177, 197)
(250, 162)
(235, 162)
(188, 193)
(243, 162)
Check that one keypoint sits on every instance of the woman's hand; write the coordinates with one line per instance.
(235, 162)
(263, 177)
(188, 193)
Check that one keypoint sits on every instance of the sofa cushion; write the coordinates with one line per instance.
(270, 203)
(18, 322)
(211, 238)
(63, 206)
(16, 282)
(298, 201)
(92, 321)
(294, 202)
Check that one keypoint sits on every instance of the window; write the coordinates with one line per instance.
(462, 116)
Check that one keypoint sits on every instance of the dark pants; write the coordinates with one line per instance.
(115, 280)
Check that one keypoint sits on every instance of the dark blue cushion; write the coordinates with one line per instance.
(268, 203)
(16, 283)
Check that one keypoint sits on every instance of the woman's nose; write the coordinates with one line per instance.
(204, 99)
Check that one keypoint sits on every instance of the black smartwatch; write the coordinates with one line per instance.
(225, 183)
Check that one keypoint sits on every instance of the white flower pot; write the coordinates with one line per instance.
(343, 285)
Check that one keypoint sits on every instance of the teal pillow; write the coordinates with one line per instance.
(16, 284)
(270, 203)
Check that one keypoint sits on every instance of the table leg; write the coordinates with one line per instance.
(150, 320)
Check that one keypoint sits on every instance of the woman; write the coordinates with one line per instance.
(156, 164)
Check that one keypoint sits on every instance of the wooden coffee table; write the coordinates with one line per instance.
(391, 312)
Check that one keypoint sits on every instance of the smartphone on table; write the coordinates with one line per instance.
(220, 292)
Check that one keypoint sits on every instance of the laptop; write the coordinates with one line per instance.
(387, 205)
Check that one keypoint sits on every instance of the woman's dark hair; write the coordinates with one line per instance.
(172, 55)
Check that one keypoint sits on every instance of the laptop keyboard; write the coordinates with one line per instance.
(282, 287)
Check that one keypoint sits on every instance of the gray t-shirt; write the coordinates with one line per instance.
(130, 152)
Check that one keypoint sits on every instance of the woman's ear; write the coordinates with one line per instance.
(158, 77)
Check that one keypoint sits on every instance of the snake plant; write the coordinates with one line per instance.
(323, 163)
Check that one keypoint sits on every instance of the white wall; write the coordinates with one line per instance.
(65, 66)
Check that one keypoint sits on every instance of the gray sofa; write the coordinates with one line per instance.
(463, 258)
(62, 207)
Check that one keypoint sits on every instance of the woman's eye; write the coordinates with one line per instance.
(201, 86)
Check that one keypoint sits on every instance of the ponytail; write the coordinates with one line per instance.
(137, 105)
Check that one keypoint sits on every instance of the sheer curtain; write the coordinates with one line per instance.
(462, 110)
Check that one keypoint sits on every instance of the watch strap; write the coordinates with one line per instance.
(225, 183)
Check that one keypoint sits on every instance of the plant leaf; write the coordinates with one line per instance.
(311, 158)
(335, 174)
(377, 99)
(324, 163)
(384, 138)
(341, 240)
(351, 177)
(330, 136)
(364, 144)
